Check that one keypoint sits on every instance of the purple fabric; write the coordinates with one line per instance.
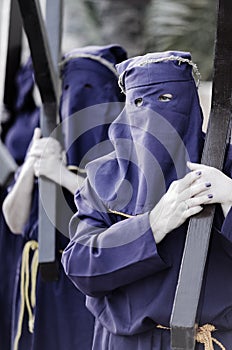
(26, 117)
(112, 53)
(25, 85)
(86, 82)
(61, 318)
(20, 134)
(136, 72)
(130, 281)
(59, 304)
(152, 142)
(10, 249)
(26, 114)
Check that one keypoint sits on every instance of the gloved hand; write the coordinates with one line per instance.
(50, 166)
(49, 160)
(183, 199)
(43, 147)
(220, 184)
(49, 157)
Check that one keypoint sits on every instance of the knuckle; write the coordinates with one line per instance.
(174, 185)
(175, 182)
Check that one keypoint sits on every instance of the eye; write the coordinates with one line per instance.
(165, 97)
(88, 86)
(138, 101)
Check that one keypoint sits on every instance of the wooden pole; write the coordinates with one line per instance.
(184, 313)
(48, 190)
(46, 80)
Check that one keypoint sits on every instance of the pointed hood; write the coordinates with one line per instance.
(89, 101)
(158, 131)
(27, 114)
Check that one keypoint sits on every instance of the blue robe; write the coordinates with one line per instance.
(112, 257)
(130, 287)
(90, 101)
(61, 319)
(25, 117)
(10, 249)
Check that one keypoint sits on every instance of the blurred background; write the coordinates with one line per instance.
(147, 26)
(142, 26)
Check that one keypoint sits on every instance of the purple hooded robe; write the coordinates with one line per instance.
(25, 117)
(112, 257)
(61, 319)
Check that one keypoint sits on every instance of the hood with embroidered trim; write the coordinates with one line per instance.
(157, 132)
(89, 100)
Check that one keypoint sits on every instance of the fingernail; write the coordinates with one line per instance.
(210, 196)
(207, 184)
(198, 173)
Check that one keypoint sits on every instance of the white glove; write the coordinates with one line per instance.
(220, 185)
(183, 199)
(44, 147)
(50, 157)
(49, 166)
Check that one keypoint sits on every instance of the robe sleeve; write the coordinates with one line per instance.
(105, 253)
(226, 228)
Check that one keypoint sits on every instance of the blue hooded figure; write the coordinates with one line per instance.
(88, 107)
(25, 117)
(53, 315)
(26, 112)
(128, 234)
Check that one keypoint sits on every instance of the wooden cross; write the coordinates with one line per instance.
(46, 78)
(183, 320)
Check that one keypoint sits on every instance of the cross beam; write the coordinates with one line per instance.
(184, 314)
(46, 79)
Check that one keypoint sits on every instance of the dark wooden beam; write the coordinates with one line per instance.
(50, 191)
(13, 58)
(35, 30)
(46, 79)
(184, 314)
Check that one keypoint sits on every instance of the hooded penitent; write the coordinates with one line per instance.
(88, 78)
(157, 132)
(90, 101)
(26, 114)
(18, 137)
(112, 257)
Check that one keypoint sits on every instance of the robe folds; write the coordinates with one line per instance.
(10, 250)
(112, 257)
(59, 318)
(90, 101)
(23, 119)
(130, 288)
